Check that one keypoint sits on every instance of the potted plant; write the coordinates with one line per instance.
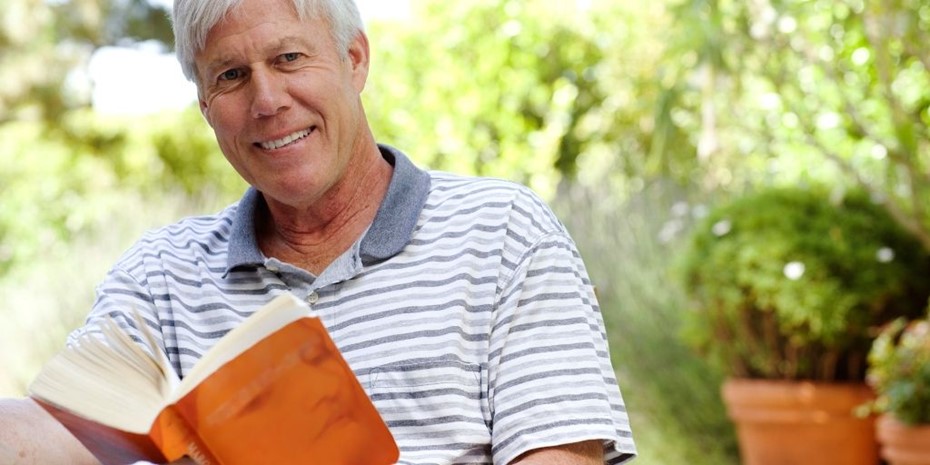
(787, 287)
(899, 371)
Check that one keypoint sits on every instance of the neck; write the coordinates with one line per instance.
(311, 237)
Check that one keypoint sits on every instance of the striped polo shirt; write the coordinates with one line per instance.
(465, 311)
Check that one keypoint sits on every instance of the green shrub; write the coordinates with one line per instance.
(791, 283)
(899, 371)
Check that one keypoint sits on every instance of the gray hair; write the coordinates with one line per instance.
(192, 20)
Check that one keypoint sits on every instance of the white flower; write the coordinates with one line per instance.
(794, 270)
(722, 228)
(885, 255)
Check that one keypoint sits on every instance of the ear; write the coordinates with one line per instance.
(203, 111)
(359, 56)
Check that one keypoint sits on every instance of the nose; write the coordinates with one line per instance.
(269, 93)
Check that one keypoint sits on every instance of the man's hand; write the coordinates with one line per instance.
(578, 453)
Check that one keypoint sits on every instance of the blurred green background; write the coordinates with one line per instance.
(632, 118)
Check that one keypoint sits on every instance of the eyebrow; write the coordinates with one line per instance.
(279, 46)
(288, 42)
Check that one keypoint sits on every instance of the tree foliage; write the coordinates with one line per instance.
(790, 90)
(59, 188)
(533, 91)
(64, 167)
(47, 45)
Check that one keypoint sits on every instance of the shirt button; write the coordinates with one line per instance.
(312, 298)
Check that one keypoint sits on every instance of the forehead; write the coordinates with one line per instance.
(258, 27)
(248, 18)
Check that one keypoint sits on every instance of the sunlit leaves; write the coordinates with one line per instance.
(849, 76)
(528, 91)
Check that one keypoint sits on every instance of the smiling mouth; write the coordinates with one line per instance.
(286, 140)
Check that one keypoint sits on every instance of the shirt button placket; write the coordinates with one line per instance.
(312, 298)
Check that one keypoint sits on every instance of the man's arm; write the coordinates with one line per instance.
(579, 453)
(29, 435)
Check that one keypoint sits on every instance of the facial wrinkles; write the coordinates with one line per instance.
(248, 59)
(230, 46)
(254, 48)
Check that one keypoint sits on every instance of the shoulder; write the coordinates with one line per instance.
(490, 200)
(444, 185)
(204, 233)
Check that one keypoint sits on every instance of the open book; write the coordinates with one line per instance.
(273, 390)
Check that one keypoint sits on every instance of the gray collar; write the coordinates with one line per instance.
(389, 232)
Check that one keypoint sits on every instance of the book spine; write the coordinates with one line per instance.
(176, 439)
(111, 446)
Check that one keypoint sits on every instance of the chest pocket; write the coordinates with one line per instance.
(434, 401)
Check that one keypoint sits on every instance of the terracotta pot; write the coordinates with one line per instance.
(902, 444)
(801, 423)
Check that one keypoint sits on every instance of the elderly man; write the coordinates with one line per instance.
(460, 303)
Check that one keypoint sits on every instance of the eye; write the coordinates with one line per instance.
(292, 56)
(230, 75)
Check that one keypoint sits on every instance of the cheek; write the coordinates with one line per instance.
(227, 140)
(222, 111)
(224, 123)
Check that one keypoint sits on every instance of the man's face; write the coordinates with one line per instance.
(283, 99)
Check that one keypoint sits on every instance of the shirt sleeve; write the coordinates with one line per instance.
(121, 294)
(550, 376)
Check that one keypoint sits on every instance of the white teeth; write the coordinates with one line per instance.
(275, 144)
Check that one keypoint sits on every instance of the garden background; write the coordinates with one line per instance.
(632, 118)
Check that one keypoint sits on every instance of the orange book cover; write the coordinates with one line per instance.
(289, 398)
